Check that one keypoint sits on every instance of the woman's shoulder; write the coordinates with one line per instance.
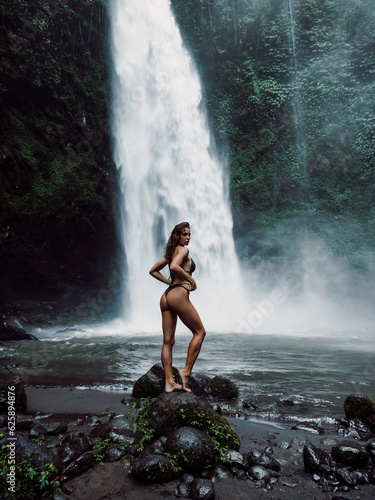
(182, 251)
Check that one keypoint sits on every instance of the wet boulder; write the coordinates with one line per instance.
(360, 407)
(236, 459)
(346, 477)
(81, 465)
(193, 449)
(260, 473)
(209, 388)
(11, 330)
(155, 469)
(314, 457)
(152, 383)
(37, 455)
(219, 471)
(370, 447)
(179, 409)
(202, 489)
(37, 432)
(183, 490)
(55, 428)
(118, 429)
(215, 388)
(73, 445)
(351, 454)
(268, 462)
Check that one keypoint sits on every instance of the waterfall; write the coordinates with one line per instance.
(168, 168)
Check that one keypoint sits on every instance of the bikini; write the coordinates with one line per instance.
(192, 269)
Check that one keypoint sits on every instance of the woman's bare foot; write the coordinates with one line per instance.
(184, 380)
(171, 387)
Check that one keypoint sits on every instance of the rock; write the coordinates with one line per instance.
(152, 383)
(23, 422)
(202, 489)
(352, 454)
(74, 445)
(370, 447)
(114, 454)
(179, 409)
(218, 471)
(268, 462)
(370, 422)
(118, 429)
(358, 407)
(259, 472)
(362, 477)
(308, 426)
(156, 448)
(205, 474)
(313, 457)
(11, 330)
(91, 421)
(38, 432)
(18, 393)
(155, 469)
(346, 477)
(37, 455)
(183, 490)
(236, 459)
(187, 478)
(192, 448)
(55, 428)
(215, 388)
(81, 465)
(216, 408)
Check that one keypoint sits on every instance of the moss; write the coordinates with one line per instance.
(360, 407)
(223, 388)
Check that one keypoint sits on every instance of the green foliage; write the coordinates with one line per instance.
(217, 432)
(142, 425)
(55, 94)
(101, 447)
(290, 87)
(30, 482)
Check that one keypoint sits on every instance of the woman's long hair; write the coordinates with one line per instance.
(174, 239)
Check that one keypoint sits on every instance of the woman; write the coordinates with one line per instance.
(175, 303)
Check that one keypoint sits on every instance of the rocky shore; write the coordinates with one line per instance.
(179, 445)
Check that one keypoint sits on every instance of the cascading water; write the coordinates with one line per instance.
(169, 172)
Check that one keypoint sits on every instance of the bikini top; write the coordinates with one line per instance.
(192, 269)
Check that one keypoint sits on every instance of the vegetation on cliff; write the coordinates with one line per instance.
(290, 89)
(57, 175)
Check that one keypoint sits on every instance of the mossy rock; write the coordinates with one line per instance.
(178, 409)
(361, 407)
(155, 469)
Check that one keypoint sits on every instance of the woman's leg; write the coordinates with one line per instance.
(178, 301)
(169, 320)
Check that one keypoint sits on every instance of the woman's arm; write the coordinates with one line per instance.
(179, 256)
(156, 268)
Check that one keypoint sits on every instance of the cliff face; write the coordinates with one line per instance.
(290, 89)
(57, 178)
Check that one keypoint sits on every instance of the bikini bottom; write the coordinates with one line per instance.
(174, 286)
